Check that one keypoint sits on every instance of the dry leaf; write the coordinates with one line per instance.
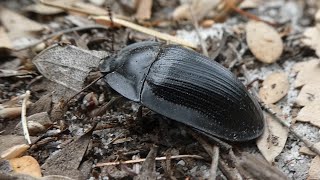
(17, 24)
(307, 151)
(67, 67)
(21, 30)
(4, 39)
(200, 8)
(314, 172)
(43, 9)
(273, 138)
(26, 165)
(312, 39)
(308, 72)
(274, 87)
(144, 9)
(310, 113)
(37, 123)
(14, 151)
(308, 94)
(264, 41)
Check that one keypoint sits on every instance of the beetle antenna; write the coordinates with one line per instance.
(83, 89)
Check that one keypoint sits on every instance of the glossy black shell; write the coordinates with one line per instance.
(187, 87)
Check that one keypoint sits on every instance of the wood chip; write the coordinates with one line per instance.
(274, 88)
(4, 39)
(310, 113)
(308, 72)
(308, 94)
(264, 41)
(314, 172)
(144, 9)
(37, 123)
(26, 165)
(200, 9)
(273, 138)
(14, 151)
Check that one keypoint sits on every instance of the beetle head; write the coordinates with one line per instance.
(108, 64)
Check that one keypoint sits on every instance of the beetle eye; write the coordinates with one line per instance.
(108, 64)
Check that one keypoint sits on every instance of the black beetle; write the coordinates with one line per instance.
(185, 86)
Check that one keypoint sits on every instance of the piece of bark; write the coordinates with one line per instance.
(259, 169)
(44, 104)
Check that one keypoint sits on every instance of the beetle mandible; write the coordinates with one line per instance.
(185, 86)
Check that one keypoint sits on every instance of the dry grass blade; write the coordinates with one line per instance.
(142, 160)
(24, 117)
(148, 31)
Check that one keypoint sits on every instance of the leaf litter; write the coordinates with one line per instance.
(65, 68)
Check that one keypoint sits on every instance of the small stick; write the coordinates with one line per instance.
(246, 14)
(142, 160)
(24, 117)
(105, 17)
(214, 163)
(59, 33)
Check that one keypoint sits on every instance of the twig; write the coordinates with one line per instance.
(59, 33)
(196, 27)
(275, 116)
(105, 17)
(230, 173)
(142, 160)
(24, 117)
(148, 31)
(101, 110)
(214, 163)
(246, 14)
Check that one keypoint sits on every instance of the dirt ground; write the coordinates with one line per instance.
(59, 121)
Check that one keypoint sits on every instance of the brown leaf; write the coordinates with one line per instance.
(274, 87)
(308, 94)
(26, 165)
(264, 41)
(314, 172)
(308, 72)
(273, 138)
(144, 9)
(310, 113)
(71, 155)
